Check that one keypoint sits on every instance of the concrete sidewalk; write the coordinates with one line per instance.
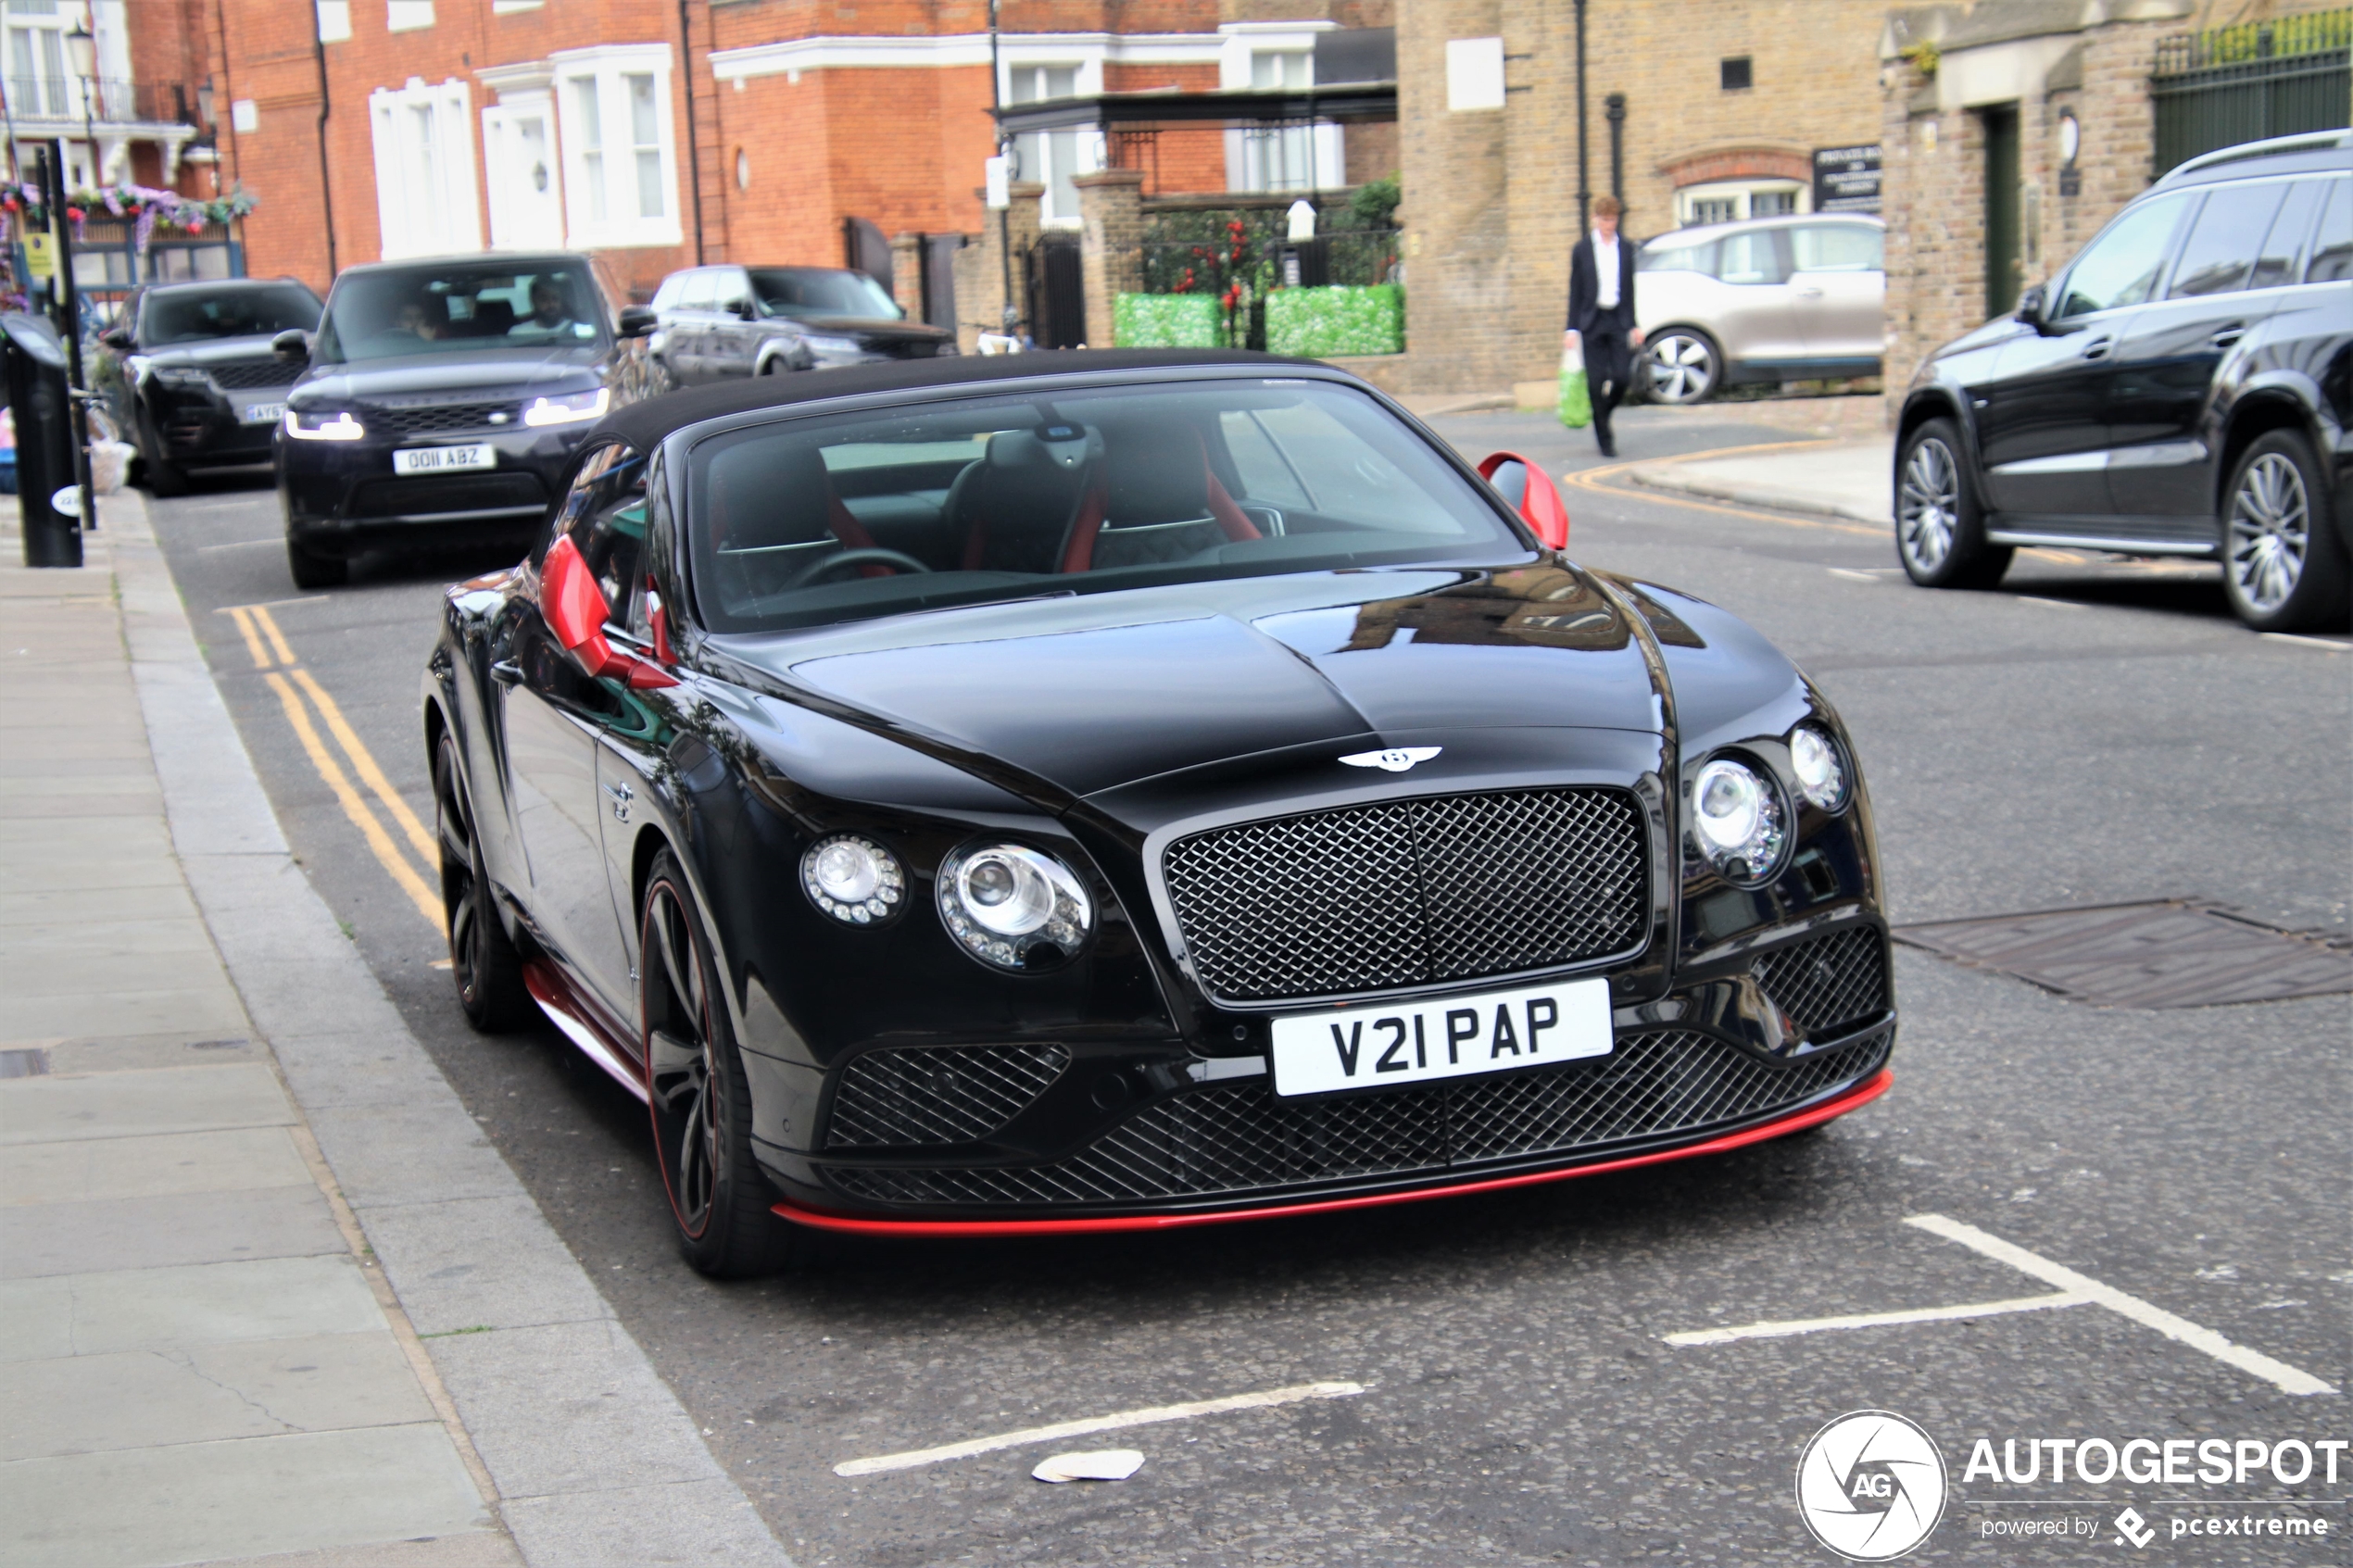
(266, 1293)
(1846, 479)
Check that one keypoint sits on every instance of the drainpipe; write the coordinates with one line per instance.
(326, 187)
(1004, 215)
(1614, 110)
(1584, 167)
(694, 152)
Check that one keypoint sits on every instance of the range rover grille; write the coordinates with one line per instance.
(1410, 892)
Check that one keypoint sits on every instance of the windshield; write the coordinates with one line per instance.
(193, 317)
(804, 522)
(822, 291)
(461, 306)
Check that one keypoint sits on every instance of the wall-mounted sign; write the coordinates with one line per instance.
(40, 259)
(1846, 178)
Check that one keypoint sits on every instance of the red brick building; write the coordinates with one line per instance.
(659, 135)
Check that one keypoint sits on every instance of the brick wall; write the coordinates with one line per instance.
(1490, 195)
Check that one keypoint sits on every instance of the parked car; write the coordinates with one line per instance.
(1112, 791)
(2184, 387)
(188, 374)
(442, 401)
(1767, 299)
(719, 322)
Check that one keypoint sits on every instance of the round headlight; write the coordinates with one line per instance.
(1014, 907)
(1737, 818)
(1821, 776)
(855, 880)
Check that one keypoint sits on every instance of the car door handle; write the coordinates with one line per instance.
(2228, 335)
(507, 672)
(1809, 293)
(2097, 348)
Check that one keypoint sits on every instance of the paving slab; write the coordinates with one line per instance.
(145, 1309)
(685, 1522)
(136, 1507)
(413, 1153)
(116, 1105)
(146, 1233)
(470, 1263)
(130, 1013)
(478, 1548)
(87, 1171)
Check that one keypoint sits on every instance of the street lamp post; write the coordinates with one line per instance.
(81, 54)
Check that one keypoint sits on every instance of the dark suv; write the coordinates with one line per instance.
(443, 401)
(2184, 388)
(719, 322)
(188, 372)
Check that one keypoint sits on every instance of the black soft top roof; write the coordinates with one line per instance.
(641, 425)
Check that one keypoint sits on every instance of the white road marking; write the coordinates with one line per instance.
(240, 545)
(2047, 604)
(2306, 642)
(1874, 1320)
(273, 604)
(2287, 1379)
(1852, 576)
(911, 1459)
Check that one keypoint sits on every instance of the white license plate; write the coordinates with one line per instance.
(262, 413)
(445, 460)
(1383, 1045)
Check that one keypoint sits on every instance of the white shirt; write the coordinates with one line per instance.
(1606, 271)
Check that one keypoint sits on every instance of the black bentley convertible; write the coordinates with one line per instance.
(1122, 790)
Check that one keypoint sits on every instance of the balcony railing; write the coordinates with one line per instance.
(113, 102)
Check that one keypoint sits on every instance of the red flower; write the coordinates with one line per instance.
(74, 213)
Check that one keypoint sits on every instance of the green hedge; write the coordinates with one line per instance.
(1323, 323)
(1168, 320)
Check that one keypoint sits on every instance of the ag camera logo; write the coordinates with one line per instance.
(1870, 1485)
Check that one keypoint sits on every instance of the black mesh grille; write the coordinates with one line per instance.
(444, 420)
(1237, 1137)
(1829, 983)
(255, 372)
(1408, 892)
(449, 493)
(938, 1095)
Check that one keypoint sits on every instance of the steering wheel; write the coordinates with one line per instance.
(896, 559)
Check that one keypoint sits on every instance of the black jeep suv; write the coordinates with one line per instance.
(2184, 388)
(188, 372)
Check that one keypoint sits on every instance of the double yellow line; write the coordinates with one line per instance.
(274, 657)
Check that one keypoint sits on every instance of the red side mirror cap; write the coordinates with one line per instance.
(1526, 486)
(575, 611)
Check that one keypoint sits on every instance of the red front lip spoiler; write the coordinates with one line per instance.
(1861, 1095)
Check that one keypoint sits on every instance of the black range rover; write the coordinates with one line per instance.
(442, 400)
(189, 375)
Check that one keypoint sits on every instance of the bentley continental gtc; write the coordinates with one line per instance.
(1129, 790)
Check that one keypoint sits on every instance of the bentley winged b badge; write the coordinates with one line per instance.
(1395, 760)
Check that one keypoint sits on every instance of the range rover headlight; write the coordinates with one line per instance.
(853, 879)
(1736, 816)
(568, 407)
(1821, 771)
(1013, 907)
(307, 425)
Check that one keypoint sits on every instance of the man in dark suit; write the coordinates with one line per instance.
(1601, 315)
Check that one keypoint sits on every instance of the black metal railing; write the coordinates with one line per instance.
(2235, 84)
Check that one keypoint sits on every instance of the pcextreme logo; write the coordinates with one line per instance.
(1870, 1485)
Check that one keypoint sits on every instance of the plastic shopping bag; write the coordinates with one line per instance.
(1575, 401)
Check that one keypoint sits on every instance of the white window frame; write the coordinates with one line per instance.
(425, 207)
(620, 227)
(61, 93)
(1742, 192)
(1322, 146)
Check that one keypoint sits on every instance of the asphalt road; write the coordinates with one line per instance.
(2091, 733)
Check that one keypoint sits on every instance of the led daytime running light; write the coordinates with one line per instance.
(338, 426)
(1005, 902)
(568, 408)
(853, 879)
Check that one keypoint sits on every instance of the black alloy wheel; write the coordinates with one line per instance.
(1940, 527)
(699, 1102)
(2283, 567)
(310, 570)
(165, 479)
(482, 958)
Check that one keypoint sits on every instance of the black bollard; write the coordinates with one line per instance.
(36, 375)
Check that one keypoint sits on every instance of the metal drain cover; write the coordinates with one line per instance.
(2170, 954)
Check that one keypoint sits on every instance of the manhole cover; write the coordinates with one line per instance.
(2172, 954)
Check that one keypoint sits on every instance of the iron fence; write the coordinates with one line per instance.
(2221, 88)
